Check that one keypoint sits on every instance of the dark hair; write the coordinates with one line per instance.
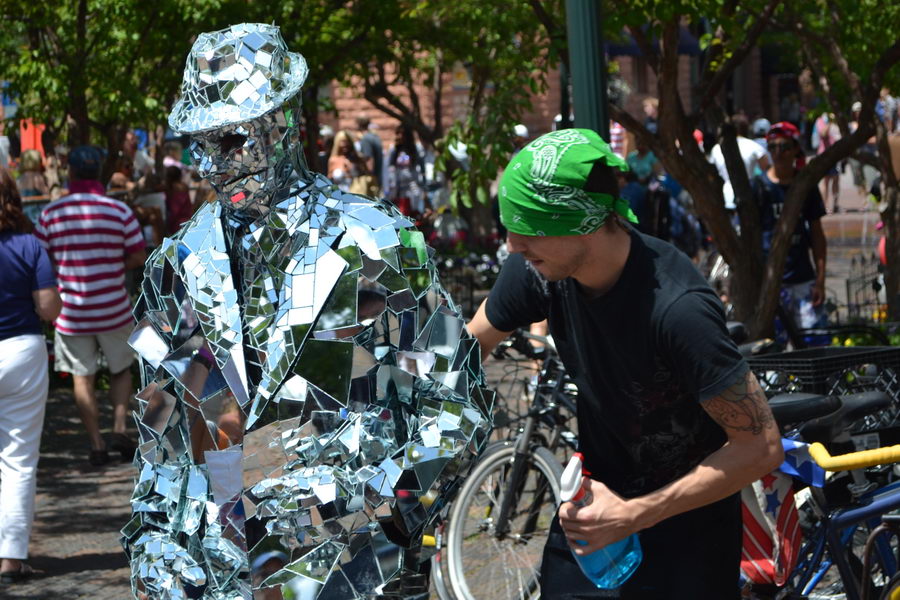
(407, 144)
(11, 216)
(362, 122)
(741, 125)
(173, 174)
(602, 179)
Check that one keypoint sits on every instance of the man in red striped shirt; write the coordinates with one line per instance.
(92, 240)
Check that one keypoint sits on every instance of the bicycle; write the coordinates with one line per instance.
(835, 517)
(890, 525)
(499, 522)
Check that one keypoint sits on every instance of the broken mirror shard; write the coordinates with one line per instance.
(310, 396)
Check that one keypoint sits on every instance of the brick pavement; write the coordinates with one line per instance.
(80, 509)
(78, 513)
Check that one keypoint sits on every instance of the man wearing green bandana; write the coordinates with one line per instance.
(671, 422)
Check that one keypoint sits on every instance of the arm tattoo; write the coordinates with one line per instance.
(741, 407)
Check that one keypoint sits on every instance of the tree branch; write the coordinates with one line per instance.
(374, 99)
(636, 128)
(826, 46)
(647, 49)
(437, 91)
(713, 81)
(823, 82)
(554, 32)
(671, 113)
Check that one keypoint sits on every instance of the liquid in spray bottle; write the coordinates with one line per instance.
(610, 566)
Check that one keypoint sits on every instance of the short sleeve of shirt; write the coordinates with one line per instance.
(694, 336)
(134, 240)
(814, 208)
(518, 299)
(756, 151)
(43, 270)
(40, 232)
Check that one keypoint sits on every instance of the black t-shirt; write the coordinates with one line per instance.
(644, 355)
(798, 268)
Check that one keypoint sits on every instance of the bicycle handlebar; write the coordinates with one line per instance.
(518, 340)
(854, 460)
(545, 340)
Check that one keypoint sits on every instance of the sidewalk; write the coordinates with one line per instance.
(80, 509)
(851, 234)
(78, 513)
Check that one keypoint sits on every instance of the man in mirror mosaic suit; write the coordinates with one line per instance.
(309, 391)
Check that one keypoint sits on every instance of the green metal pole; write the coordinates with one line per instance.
(587, 61)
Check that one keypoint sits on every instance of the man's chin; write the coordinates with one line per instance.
(534, 268)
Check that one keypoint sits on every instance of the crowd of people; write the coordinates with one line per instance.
(772, 155)
(68, 263)
(356, 161)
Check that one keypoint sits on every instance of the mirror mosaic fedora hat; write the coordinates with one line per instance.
(235, 75)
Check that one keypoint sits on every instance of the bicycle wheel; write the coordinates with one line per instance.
(831, 586)
(892, 589)
(482, 564)
(439, 572)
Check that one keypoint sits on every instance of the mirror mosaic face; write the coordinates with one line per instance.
(243, 162)
(310, 397)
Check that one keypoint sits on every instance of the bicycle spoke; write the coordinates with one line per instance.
(505, 566)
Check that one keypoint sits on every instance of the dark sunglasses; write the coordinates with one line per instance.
(779, 146)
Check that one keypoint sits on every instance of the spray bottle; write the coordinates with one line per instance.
(610, 566)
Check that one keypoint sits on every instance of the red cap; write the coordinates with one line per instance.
(787, 131)
(783, 129)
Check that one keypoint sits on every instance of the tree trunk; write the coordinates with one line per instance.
(891, 219)
(81, 119)
(114, 135)
(310, 109)
(704, 185)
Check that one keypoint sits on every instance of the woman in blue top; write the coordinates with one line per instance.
(27, 294)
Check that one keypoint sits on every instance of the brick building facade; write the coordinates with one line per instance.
(745, 92)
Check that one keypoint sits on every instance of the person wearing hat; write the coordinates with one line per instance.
(759, 129)
(93, 240)
(671, 422)
(803, 282)
(308, 387)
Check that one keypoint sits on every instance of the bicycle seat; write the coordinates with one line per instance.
(853, 407)
(795, 408)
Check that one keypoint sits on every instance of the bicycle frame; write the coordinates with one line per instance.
(524, 442)
(834, 534)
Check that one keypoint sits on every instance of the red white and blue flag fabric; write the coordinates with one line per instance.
(799, 464)
(772, 533)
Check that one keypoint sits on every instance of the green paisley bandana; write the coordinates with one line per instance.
(542, 190)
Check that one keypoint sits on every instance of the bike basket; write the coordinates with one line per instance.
(831, 370)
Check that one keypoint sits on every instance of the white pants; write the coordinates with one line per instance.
(24, 381)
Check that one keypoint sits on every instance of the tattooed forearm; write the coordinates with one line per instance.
(742, 407)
